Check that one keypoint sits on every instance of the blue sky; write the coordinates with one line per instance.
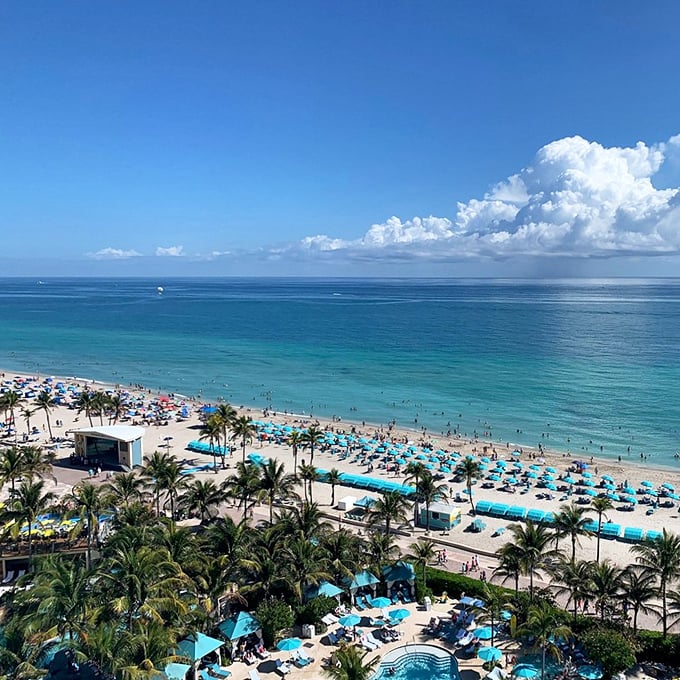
(444, 138)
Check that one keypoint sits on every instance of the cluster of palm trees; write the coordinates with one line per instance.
(12, 401)
(154, 581)
(645, 587)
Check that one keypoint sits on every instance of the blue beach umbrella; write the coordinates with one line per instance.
(608, 478)
(646, 483)
(589, 482)
(590, 492)
(493, 478)
(535, 467)
(551, 486)
(381, 602)
(551, 470)
(484, 633)
(525, 671)
(288, 644)
(587, 475)
(668, 486)
(489, 654)
(350, 620)
(398, 614)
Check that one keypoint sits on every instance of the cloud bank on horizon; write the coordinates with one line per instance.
(576, 199)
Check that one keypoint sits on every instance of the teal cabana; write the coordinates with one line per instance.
(363, 580)
(196, 646)
(400, 576)
(239, 626)
(442, 516)
(325, 589)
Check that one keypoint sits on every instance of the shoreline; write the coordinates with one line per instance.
(365, 427)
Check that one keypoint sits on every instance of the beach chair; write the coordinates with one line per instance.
(332, 638)
(282, 667)
(407, 598)
(9, 577)
(359, 602)
(204, 675)
(254, 675)
(303, 655)
(218, 671)
(298, 660)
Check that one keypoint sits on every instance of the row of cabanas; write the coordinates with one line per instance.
(608, 529)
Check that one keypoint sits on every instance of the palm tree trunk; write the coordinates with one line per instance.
(427, 518)
(599, 530)
(49, 426)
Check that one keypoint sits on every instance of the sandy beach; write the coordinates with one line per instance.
(173, 436)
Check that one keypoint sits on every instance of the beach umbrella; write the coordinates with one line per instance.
(590, 672)
(535, 467)
(532, 475)
(551, 470)
(651, 492)
(548, 477)
(569, 480)
(668, 486)
(398, 614)
(485, 459)
(493, 478)
(551, 486)
(489, 654)
(485, 633)
(501, 463)
(613, 496)
(646, 483)
(350, 620)
(288, 644)
(525, 671)
(589, 482)
(630, 499)
(381, 602)
(608, 478)
(587, 475)
(590, 492)
(628, 489)
(609, 487)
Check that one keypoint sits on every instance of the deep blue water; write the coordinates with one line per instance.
(585, 363)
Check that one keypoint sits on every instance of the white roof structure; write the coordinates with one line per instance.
(444, 508)
(121, 433)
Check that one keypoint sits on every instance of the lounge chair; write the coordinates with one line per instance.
(254, 675)
(282, 667)
(218, 671)
(9, 577)
(332, 638)
(407, 598)
(303, 655)
(299, 660)
(204, 675)
(367, 644)
(359, 602)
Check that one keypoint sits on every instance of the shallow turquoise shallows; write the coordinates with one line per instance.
(418, 662)
(574, 365)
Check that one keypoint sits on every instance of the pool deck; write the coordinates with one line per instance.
(412, 629)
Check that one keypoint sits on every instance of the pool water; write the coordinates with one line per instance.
(418, 662)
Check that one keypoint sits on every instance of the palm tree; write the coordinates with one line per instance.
(27, 413)
(422, 553)
(427, 492)
(572, 521)
(305, 520)
(244, 484)
(510, 564)
(212, 430)
(203, 497)
(124, 488)
(10, 400)
(243, 428)
(638, 587)
(333, 477)
(295, 440)
(600, 505)
(348, 664)
(89, 500)
(532, 541)
(308, 475)
(661, 557)
(575, 579)
(312, 437)
(471, 470)
(544, 627)
(155, 467)
(606, 585)
(173, 482)
(37, 463)
(390, 507)
(60, 599)
(414, 471)
(305, 566)
(225, 414)
(11, 466)
(275, 483)
(382, 550)
(46, 402)
(28, 502)
(495, 603)
(115, 407)
(344, 550)
(100, 401)
(86, 402)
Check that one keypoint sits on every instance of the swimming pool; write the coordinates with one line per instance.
(418, 662)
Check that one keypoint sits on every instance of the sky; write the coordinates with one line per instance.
(372, 138)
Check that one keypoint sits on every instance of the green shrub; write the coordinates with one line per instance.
(313, 611)
(274, 616)
(652, 646)
(455, 584)
(613, 650)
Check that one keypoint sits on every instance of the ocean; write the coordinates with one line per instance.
(587, 367)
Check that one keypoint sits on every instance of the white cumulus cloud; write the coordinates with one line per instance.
(575, 198)
(113, 254)
(171, 251)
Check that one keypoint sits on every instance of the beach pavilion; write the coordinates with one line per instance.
(110, 446)
(399, 577)
(361, 581)
(442, 516)
(197, 646)
(239, 626)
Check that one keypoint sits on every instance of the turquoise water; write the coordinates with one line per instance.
(575, 365)
(408, 664)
